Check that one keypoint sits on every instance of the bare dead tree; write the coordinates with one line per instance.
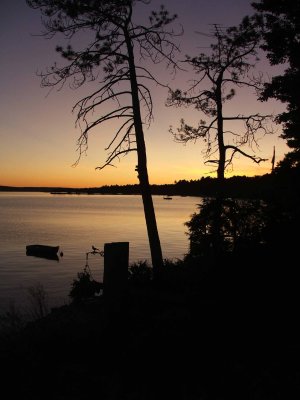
(114, 43)
(225, 68)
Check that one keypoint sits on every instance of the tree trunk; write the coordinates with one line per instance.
(222, 150)
(154, 241)
(217, 228)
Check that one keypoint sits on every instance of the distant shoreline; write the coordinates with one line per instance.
(238, 186)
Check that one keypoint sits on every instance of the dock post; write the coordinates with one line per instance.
(116, 261)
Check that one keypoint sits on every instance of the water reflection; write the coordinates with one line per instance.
(77, 223)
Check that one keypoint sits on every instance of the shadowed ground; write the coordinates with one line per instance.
(164, 342)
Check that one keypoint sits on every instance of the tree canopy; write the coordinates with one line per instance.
(280, 30)
(225, 67)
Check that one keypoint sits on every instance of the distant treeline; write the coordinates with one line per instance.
(264, 186)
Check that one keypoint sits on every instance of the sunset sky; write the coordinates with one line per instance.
(37, 128)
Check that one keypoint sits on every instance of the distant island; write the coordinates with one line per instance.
(236, 186)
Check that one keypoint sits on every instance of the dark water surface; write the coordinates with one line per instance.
(75, 223)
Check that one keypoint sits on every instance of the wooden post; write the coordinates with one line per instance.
(116, 259)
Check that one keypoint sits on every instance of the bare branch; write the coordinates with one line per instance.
(119, 131)
(235, 149)
(111, 158)
(227, 66)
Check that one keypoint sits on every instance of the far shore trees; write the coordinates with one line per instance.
(107, 47)
(218, 73)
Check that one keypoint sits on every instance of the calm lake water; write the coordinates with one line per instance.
(75, 223)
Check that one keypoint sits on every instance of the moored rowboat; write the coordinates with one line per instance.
(41, 250)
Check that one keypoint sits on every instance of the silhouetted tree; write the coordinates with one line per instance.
(113, 43)
(280, 31)
(225, 68)
(242, 224)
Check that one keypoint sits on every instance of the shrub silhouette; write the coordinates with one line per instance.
(84, 286)
(242, 223)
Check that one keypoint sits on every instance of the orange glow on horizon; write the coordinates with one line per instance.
(38, 130)
(96, 180)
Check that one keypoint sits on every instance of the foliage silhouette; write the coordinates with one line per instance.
(140, 273)
(84, 287)
(38, 298)
(279, 26)
(242, 225)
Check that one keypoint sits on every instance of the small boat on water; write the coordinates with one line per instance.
(167, 198)
(44, 251)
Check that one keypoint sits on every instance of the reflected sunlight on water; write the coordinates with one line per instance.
(75, 223)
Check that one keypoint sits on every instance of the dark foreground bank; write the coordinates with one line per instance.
(194, 336)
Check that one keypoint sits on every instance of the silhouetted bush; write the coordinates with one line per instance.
(140, 273)
(240, 224)
(84, 286)
(38, 299)
(11, 321)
